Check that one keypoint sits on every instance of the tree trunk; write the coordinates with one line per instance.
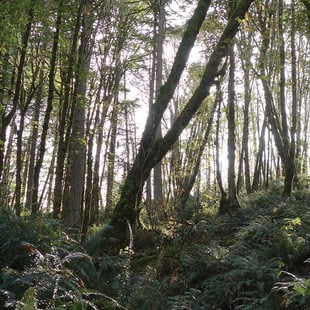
(230, 203)
(111, 159)
(160, 18)
(290, 165)
(259, 158)
(217, 153)
(152, 150)
(288, 160)
(193, 164)
(246, 64)
(18, 185)
(88, 187)
(6, 118)
(33, 145)
(95, 197)
(62, 147)
(74, 182)
(277, 118)
(49, 107)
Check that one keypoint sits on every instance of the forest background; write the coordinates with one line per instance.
(222, 88)
(75, 77)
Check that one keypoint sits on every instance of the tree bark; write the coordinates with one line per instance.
(6, 118)
(74, 182)
(152, 150)
(64, 103)
(230, 203)
(160, 18)
(193, 164)
(111, 158)
(245, 51)
(49, 107)
(33, 144)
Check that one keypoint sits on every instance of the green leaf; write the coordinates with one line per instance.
(28, 301)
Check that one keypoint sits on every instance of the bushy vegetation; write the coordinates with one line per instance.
(257, 258)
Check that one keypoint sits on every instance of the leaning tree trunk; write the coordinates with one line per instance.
(152, 150)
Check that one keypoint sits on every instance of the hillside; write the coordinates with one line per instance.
(256, 258)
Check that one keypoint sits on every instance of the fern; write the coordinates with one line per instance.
(294, 291)
(28, 301)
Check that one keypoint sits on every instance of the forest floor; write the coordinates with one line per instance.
(256, 258)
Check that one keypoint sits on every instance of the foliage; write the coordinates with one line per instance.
(59, 275)
(236, 262)
(256, 259)
(40, 230)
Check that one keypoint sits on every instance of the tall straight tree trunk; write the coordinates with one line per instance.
(33, 144)
(277, 118)
(46, 121)
(259, 158)
(18, 173)
(6, 118)
(63, 115)
(152, 150)
(293, 131)
(217, 155)
(6, 192)
(285, 156)
(95, 196)
(111, 158)
(231, 130)
(90, 169)
(231, 202)
(88, 186)
(246, 64)
(158, 179)
(22, 107)
(288, 139)
(74, 182)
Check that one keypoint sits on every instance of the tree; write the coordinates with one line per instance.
(74, 181)
(245, 55)
(278, 118)
(7, 116)
(64, 125)
(152, 150)
(47, 115)
(159, 42)
(229, 202)
(200, 135)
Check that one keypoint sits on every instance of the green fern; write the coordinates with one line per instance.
(294, 291)
(28, 301)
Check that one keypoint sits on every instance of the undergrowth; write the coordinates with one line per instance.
(257, 258)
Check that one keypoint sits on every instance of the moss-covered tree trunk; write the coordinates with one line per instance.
(151, 149)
